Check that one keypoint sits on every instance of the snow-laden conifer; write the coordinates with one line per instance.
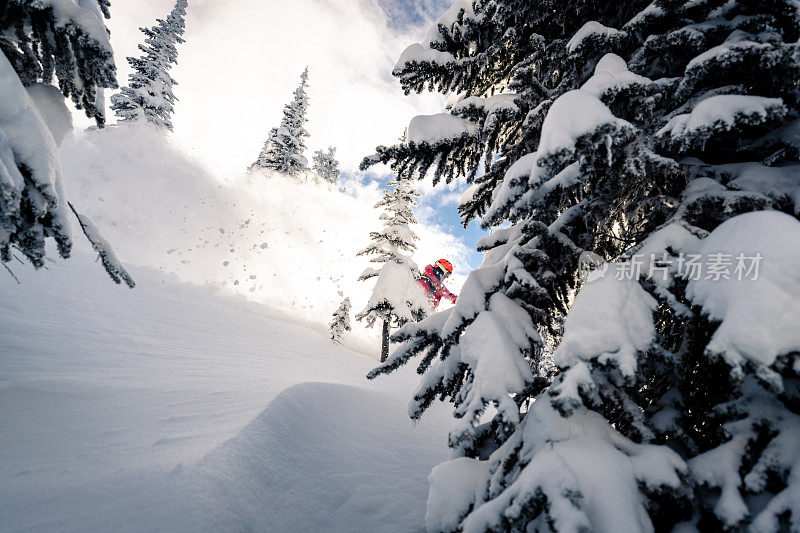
(283, 151)
(148, 94)
(326, 167)
(58, 41)
(396, 298)
(340, 322)
(649, 136)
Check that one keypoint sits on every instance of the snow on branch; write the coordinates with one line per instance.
(592, 30)
(110, 262)
(720, 114)
(433, 129)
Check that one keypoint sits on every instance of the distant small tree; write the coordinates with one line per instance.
(326, 166)
(148, 94)
(283, 150)
(396, 298)
(340, 321)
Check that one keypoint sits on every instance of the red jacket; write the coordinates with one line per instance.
(433, 288)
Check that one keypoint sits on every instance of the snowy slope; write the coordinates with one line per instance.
(289, 245)
(177, 407)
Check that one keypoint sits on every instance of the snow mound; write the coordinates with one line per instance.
(115, 401)
(353, 464)
(397, 288)
(50, 103)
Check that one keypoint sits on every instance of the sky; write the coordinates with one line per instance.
(241, 63)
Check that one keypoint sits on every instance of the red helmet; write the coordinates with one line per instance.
(444, 265)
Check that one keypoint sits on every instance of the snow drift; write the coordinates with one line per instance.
(174, 408)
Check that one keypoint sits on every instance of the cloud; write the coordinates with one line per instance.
(242, 60)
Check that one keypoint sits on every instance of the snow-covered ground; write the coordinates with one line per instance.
(180, 407)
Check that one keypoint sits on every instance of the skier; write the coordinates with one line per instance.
(432, 282)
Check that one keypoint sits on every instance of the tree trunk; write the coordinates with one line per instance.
(385, 341)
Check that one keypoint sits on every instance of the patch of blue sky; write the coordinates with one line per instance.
(437, 205)
(405, 14)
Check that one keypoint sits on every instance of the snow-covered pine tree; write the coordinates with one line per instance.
(148, 94)
(654, 136)
(326, 166)
(41, 43)
(56, 41)
(340, 321)
(284, 148)
(396, 297)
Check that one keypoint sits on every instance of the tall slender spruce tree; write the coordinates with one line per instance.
(284, 148)
(396, 298)
(148, 94)
(655, 136)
